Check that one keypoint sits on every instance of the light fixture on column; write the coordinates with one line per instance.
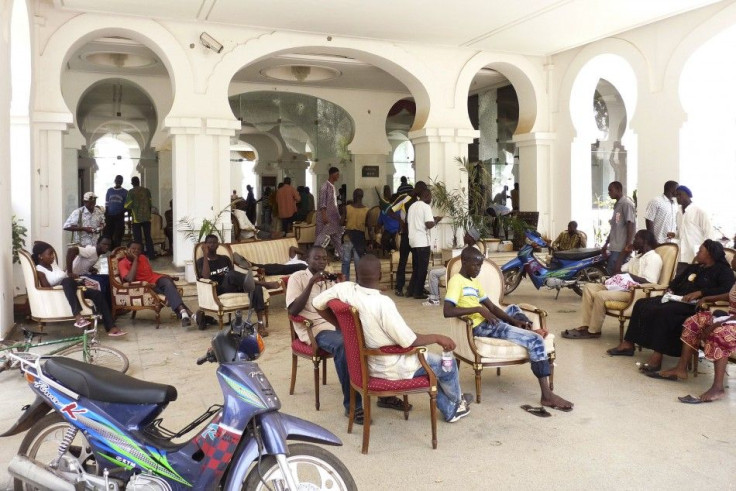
(210, 43)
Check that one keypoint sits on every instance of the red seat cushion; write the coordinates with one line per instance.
(382, 384)
(305, 349)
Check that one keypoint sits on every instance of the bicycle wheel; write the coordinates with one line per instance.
(99, 355)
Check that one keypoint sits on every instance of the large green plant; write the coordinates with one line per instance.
(19, 237)
(196, 231)
(464, 207)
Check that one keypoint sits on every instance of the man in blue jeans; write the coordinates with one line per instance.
(465, 297)
(302, 288)
(384, 326)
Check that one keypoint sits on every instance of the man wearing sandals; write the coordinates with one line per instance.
(384, 326)
(302, 288)
(465, 297)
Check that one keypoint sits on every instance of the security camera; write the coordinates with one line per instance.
(210, 42)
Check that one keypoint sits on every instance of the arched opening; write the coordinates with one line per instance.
(399, 121)
(707, 144)
(114, 154)
(602, 102)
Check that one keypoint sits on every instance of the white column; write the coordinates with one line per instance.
(164, 179)
(435, 151)
(6, 257)
(201, 175)
(536, 182)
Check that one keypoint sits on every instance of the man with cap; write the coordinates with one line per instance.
(472, 236)
(693, 226)
(86, 222)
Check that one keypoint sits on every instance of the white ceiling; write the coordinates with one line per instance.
(531, 27)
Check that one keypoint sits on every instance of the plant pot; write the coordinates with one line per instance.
(505, 246)
(189, 274)
(491, 244)
(448, 254)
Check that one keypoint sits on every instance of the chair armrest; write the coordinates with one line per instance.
(301, 320)
(533, 308)
(396, 350)
(653, 288)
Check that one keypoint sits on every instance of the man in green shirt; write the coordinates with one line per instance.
(138, 202)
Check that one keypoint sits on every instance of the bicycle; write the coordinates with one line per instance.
(84, 347)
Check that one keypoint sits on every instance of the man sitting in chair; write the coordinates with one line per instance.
(219, 269)
(568, 239)
(384, 326)
(465, 297)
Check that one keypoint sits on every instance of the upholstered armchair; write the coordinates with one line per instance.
(207, 296)
(356, 354)
(48, 304)
(481, 352)
(157, 231)
(305, 232)
(622, 309)
(133, 296)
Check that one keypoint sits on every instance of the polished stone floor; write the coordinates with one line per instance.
(627, 431)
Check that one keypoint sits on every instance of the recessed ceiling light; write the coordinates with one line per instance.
(300, 73)
(119, 60)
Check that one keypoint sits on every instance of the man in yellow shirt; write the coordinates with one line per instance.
(354, 222)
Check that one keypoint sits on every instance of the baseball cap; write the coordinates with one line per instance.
(88, 196)
(474, 233)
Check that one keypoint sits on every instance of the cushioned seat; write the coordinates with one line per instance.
(500, 350)
(576, 254)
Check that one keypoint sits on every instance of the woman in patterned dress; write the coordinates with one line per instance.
(719, 335)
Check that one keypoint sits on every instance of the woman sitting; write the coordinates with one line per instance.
(50, 275)
(719, 335)
(644, 267)
(656, 323)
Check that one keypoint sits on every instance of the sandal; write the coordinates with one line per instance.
(82, 323)
(647, 368)
(536, 411)
(392, 402)
(579, 334)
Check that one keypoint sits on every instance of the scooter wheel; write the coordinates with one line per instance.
(511, 280)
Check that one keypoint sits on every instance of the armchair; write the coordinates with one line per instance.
(48, 304)
(207, 296)
(480, 352)
(622, 309)
(305, 232)
(357, 355)
(133, 296)
(157, 231)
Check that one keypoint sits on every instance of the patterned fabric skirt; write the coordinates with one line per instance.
(721, 342)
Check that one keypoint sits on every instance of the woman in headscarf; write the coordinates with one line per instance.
(657, 325)
(717, 331)
(50, 274)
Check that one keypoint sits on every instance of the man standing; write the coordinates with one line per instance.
(515, 197)
(86, 222)
(384, 326)
(420, 221)
(404, 186)
(219, 269)
(661, 214)
(623, 224)
(465, 297)
(115, 212)
(398, 210)
(139, 204)
(693, 225)
(328, 219)
(569, 239)
(287, 198)
(250, 204)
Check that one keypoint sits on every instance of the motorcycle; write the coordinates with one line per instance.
(96, 429)
(567, 269)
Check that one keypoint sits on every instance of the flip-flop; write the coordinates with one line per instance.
(393, 403)
(578, 334)
(536, 411)
(688, 399)
(82, 324)
(659, 376)
(116, 334)
(561, 408)
(620, 352)
(647, 368)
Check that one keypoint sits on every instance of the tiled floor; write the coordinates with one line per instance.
(626, 432)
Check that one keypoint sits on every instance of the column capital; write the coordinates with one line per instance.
(45, 120)
(443, 135)
(532, 139)
(206, 126)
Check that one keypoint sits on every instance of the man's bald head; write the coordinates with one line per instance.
(369, 271)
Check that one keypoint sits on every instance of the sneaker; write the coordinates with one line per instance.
(431, 303)
(468, 398)
(461, 411)
(186, 321)
(399, 293)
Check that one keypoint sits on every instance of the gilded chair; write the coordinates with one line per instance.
(482, 352)
(207, 297)
(305, 232)
(158, 236)
(356, 354)
(132, 296)
(48, 304)
(621, 309)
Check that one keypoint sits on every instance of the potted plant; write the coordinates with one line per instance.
(19, 237)
(464, 207)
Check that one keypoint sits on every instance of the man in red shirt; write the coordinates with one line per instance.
(287, 198)
(135, 267)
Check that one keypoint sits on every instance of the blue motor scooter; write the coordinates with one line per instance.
(567, 269)
(94, 428)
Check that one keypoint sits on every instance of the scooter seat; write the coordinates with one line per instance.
(576, 254)
(105, 384)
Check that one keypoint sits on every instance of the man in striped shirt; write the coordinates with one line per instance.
(661, 213)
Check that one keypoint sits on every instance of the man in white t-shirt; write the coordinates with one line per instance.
(693, 226)
(81, 261)
(419, 221)
(384, 326)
